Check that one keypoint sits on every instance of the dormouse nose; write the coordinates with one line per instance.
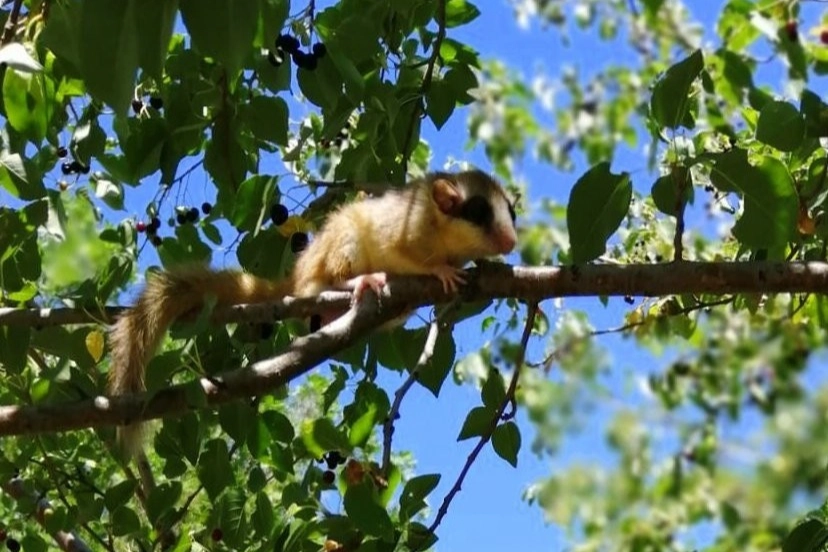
(505, 240)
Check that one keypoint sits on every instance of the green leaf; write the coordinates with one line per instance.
(214, 469)
(506, 442)
(19, 178)
(222, 29)
(362, 508)
(263, 517)
(253, 201)
(321, 436)
(278, 425)
(108, 49)
(119, 494)
(771, 205)
(369, 408)
(162, 499)
(597, 205)
(440, 103)
(780, 126)
(432, 375)
(671, 94)
(419, 537)
(231, 519)
(28, 101)
(14, 348)
(412, 498)
(237, 419)
(156, 21)
(665, 191)
(494, 390)
(478, 422)
(460, 12)
(124, 521)
(809, 536)
(267, 117)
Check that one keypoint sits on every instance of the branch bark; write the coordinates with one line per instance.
(497, 281)
(262, 377)
(404, 293)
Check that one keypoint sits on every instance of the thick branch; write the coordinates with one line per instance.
(492, 281)
(262, 377)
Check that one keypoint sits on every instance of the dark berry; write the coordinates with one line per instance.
(62, 152)
(154, 225)
(83, 169)
(304, 60)
(156, 102)
(336, 457)
(217, 534)
(823, 36)
(298, 242)
(266, 330)
(278, 214)
(171, 222)
(181, 219)
(314, 324)
(629, 299)
(709, 188)
(328, 477)
(331, 463)
(338, 142)
(140, 226)
(13, 545)
(157, 241)
(137, 106)
(319, 50)
(276, 59)
(288, 43)
(193, 214)
(66, 168)
(792, 30)
(206, 208)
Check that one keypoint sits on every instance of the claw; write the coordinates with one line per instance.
(451, 277)
(375, 281)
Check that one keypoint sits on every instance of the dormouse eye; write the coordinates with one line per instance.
(512, 212)
(478, 211)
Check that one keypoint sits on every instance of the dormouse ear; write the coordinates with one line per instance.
(446, 195)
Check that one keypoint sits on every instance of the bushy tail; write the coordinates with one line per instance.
(168, 295)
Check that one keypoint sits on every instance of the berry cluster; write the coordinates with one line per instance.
(286, 45)
(74, 167)
(155, 102)
(340, 138)
(278, 216)
(333, 459)
(151, 229)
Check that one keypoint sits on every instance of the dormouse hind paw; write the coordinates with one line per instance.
(374, 281)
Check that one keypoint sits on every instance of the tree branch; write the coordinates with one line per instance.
(11, 23)
(388, 427)
(65, 540)
(440, 16)
(260, 378)
(500, 414)
(497, 281)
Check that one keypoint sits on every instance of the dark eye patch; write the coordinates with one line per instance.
(478, 211)
(512, 212)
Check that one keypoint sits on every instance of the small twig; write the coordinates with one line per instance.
(388, 427)
(11, 23)
(681, 204)
(508, 400)
(417, 111)
(66, 540)
(560, 351)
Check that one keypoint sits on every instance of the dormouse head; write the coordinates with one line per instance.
(481, 218)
